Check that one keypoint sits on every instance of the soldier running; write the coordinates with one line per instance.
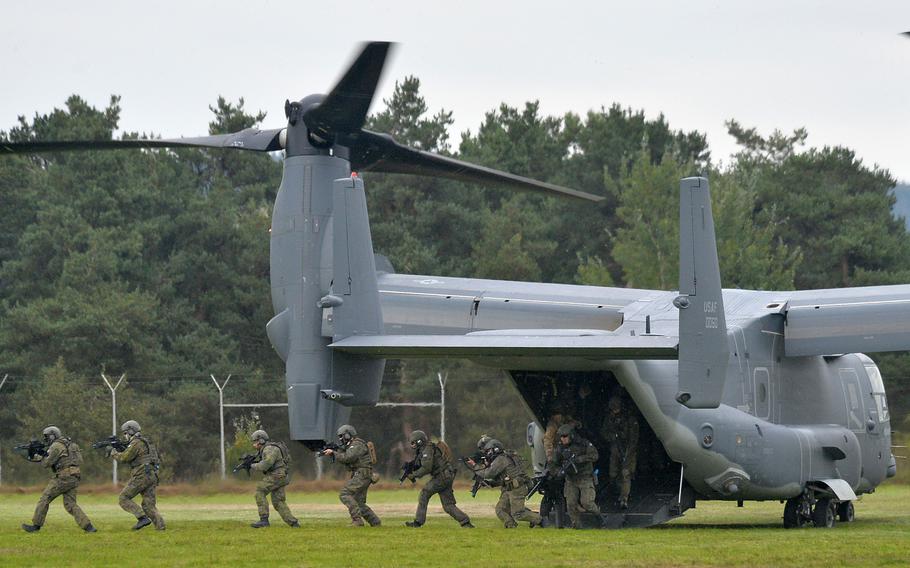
(575, 457)
(64, 458)
(142, 457)
(358, 456)
(507, 470)
(273, 461)
(435, 460)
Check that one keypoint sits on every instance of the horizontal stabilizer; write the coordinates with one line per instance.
(522, 344)
(867, 320)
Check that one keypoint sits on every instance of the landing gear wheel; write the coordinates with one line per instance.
(845, 512)
(823, 514)
(795, 513)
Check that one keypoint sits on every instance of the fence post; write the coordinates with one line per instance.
(442, 404)
(113, 416)
(221, 412)
(1, 449)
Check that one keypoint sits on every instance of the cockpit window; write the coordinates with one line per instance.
(878, 391)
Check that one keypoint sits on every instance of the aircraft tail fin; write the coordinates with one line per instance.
(703, 349)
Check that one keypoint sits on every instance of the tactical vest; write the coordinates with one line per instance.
(71, 456)
(440, 464)
(283, 462)
(366, 458)
(515, 474)
(150, 457)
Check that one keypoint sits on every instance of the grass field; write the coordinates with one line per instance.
(211, 529)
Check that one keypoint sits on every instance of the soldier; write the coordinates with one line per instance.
(575, 457)
(358, 456)
(621, 431)
(435, 460)
(507, 470)
(476, 461)
(273, 461)
(64, 458)
(558, 418)
(142, 457)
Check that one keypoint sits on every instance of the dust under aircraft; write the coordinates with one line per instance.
(743, 395)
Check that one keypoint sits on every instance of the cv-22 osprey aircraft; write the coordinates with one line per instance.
(740, 395)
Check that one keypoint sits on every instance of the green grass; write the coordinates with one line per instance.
(212, 529)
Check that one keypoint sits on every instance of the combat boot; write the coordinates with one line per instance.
(31, 528)
(90, 528)
(294, 525)
(356, 522)
(262, 523)
(142, 523)
(467, 525)
(412, 524)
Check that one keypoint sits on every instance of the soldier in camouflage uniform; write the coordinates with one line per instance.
(576, 456)
(273, 461)
(433, 460)
(64, 458)
(357, 457)
(142, 457)
(621, 431)
(507, 470)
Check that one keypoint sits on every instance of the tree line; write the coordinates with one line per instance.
(154, 263)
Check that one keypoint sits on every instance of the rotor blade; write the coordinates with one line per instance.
(250, 139)
(344, 109)
(380, 153)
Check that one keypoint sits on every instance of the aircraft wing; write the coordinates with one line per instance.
(512, 344)
(848, 320)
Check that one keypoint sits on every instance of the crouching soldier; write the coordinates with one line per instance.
(358, 456)
(574, 458)
(142, 457)
(273, 461)
(507, 470)
(434, 460)
(64, 458)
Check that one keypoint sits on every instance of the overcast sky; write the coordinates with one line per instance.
(838, 68)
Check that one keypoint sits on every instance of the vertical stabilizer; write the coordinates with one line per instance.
(703, 349)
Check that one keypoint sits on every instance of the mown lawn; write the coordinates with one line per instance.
(212, 529)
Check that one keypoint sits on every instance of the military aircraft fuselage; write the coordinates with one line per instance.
(784, 422)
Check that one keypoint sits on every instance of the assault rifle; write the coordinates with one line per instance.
(246, 462)
(31, 449)
(330, 446)
(110, 442)
(478, 483)
(407, 469)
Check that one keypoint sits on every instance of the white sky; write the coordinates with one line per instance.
(839, 68)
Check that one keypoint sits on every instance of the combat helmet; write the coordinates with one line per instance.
(259, 436)
(493, 448)
(346, 433)
(418, 438)
(51, 433)
(482, 442)
(566, 430)
(130, 428)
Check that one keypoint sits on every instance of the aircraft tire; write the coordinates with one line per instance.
(846, 512)
(793, 519)
(823, 514)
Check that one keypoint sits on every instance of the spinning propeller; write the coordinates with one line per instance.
(329, 124)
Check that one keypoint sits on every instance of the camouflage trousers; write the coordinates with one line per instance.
(64, 485)
(443, 486)
(622, 471)
(146, 485)
(511, 508)
(580, 497)
(354, 496)
(274, 485)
